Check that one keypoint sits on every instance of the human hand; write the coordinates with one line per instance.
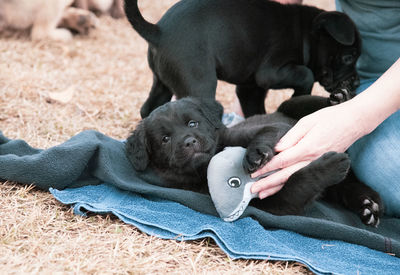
(330, 129)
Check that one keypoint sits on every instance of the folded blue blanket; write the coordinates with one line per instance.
(91, 172)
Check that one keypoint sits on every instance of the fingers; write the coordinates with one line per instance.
(269, 192)
(273, 183)
(292, 147)
(285, 159)
(293, 136)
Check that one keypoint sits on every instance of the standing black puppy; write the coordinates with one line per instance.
(254, 44)
(178, 140)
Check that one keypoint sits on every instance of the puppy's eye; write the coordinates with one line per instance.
(165, 139)
(193, 124)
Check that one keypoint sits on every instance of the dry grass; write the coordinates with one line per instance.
(50, 91)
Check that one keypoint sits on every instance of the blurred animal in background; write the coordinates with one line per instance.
(78, 20)
(43, 18)
(115, 8)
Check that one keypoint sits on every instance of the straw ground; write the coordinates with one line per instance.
(50, 91)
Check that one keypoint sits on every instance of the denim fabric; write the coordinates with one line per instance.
(242, 239)
(376, 159)
(379, 25)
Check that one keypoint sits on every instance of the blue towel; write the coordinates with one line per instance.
(91, 172)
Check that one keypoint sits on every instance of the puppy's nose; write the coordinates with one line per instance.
(191, 142)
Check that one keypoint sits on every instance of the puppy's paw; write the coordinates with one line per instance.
(256, 157)
(331, 167)
(370, 211)
(340, 96)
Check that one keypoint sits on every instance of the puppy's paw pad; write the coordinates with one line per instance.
(256, 157)
(370, 212)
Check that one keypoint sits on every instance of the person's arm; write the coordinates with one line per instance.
(334, 128)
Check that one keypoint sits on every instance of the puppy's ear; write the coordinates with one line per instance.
(211, 109)
(338, 25)
(136, 148)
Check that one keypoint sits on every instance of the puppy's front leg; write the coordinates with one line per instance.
(260, 150)
(259, 140)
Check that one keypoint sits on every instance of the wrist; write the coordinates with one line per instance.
(360, 117)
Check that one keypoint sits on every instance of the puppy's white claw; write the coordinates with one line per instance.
(366, 212)
(375, 207)
(371, 220)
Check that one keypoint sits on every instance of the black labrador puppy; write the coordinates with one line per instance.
(255, 44)
(178, 140)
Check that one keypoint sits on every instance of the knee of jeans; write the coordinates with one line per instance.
(378, 168)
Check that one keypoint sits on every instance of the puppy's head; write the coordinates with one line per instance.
(177, 139)
(338, 46)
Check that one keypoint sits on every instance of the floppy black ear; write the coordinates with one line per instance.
(136, 148)
(211, 109)
(338, 25)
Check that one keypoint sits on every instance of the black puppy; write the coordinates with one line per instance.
(255, 44)
(178, 139)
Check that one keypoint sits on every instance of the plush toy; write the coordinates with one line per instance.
(229, 184)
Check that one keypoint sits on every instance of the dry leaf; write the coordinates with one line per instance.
(62, 97)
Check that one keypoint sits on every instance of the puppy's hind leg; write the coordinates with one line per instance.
(357, 197)
(159, 95)
(251, 99)
(195, 78)
(307, 184)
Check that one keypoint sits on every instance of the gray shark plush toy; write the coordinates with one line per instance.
(229, 184)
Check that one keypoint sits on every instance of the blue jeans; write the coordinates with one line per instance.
(375, 159)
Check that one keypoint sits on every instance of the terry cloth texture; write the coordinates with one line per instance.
(97, 164)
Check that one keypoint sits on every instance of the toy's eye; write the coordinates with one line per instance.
(193, 124)
(165, 139)
(234, 182)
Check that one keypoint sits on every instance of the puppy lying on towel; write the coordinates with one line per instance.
(178, 140)
(256, 45)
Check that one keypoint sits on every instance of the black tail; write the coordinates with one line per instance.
(147, 30)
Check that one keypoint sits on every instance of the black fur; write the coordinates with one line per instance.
(178, 139)
(255, 44)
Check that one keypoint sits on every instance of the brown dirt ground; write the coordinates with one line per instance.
(50, 91)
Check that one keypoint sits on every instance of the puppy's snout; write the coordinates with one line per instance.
(191, 142)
